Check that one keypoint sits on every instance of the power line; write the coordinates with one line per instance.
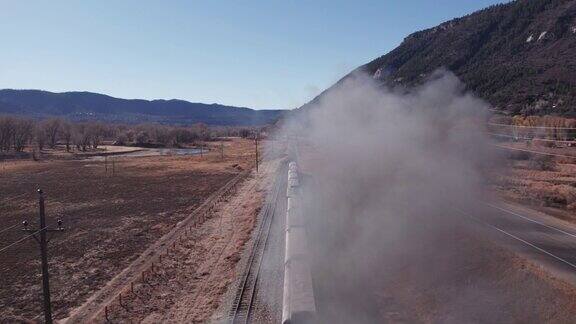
(535, 152)
(256, 142)
(8, 228)
(22, 239)
(531, 138)
(539, 127)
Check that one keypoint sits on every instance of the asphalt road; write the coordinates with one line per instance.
(543, 239)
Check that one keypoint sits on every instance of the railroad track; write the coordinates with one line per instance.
(244, 298)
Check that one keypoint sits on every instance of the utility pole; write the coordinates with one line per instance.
(256, 141)
(42, 241)
(222, 150)
(44, 253)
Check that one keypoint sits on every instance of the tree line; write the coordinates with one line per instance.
(16, 133)
(550, 127)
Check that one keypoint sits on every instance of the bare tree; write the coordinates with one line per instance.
(162, 135)
(97, 132)
(130, 135)
(244, 132)
(16, 133)
(142, 137)
(177, 136)
(81, 136)
(6, 132)
(52, 129)
(121, 138)
(23, 129)
(39, 137)
(181, 135)
(66, 134)
(202, 130)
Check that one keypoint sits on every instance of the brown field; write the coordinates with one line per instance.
(109, 218)
(547, 183)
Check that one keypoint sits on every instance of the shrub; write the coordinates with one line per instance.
(542, 163)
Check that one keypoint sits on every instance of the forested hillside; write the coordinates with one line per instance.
(519, 56)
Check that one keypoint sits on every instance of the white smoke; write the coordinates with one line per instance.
(384, 166)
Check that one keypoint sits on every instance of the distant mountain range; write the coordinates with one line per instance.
(94, 106)
(519, 56)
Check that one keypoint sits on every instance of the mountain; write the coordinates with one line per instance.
(519, 56)
(94, 106)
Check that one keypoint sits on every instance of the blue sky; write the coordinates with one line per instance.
(259, 54)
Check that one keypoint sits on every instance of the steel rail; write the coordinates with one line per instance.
(244, 299)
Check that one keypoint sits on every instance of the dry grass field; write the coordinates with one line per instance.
(543, 182)
(109, 218)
